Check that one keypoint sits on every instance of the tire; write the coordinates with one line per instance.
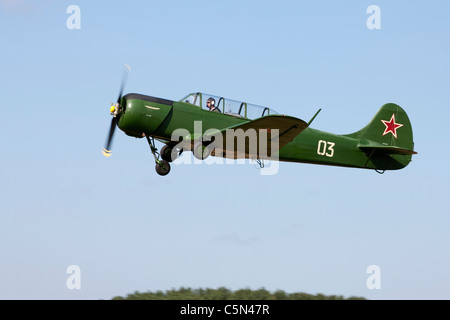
(168, 153)
(163, 168)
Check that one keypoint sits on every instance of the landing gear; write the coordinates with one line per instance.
(162, 167)
(169, 153)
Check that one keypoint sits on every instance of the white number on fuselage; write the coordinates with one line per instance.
(325, 148)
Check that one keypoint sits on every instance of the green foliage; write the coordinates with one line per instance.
(223, 293)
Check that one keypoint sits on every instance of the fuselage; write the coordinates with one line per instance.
(150, 116)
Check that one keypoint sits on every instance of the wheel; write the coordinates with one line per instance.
(162, 167)
(201, 151)
(168, 153)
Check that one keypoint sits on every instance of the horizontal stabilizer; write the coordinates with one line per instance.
(380, 149)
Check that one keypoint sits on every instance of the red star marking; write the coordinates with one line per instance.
(391, 126)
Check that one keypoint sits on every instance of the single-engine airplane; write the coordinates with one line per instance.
(205, 121)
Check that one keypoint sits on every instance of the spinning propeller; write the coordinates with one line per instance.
(115, 110)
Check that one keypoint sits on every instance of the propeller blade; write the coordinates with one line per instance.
(115, 111)
(107, 149)
(126, 71)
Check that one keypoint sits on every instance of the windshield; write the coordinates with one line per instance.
(227, 106)
(193, 98)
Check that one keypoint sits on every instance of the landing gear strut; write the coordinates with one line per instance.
(162, 166)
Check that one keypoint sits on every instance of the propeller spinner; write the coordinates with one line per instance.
(115, 112)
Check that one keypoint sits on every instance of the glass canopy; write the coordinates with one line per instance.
(228, 106)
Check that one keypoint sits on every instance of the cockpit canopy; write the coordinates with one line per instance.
(228, 106)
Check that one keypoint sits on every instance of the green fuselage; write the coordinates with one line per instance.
(159, 118)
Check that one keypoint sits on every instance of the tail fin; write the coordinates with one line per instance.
(387, 139)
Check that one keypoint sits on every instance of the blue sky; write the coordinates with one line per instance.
(308, 228)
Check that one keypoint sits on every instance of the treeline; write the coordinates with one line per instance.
(226, 294)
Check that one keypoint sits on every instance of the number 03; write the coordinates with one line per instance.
(325, 148)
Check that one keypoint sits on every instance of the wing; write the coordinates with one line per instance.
(256, 139)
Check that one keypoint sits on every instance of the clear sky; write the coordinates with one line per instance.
(313, 229)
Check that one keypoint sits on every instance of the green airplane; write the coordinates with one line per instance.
(212, 125)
